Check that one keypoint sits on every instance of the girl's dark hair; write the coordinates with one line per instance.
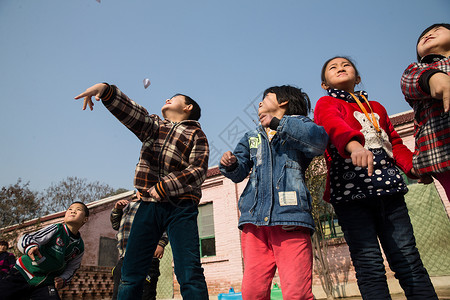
(298, 101)
(85, 208)
(445, 25)
(324, 67)
(196, 110)
(4, 243)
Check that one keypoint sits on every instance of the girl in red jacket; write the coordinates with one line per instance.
(365, 186)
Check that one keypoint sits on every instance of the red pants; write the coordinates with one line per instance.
(267, 247)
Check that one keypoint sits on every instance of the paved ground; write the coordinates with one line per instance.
(442, 292)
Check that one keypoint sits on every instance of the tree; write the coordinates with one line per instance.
(59, 196)
(315, 180)
(18, 204)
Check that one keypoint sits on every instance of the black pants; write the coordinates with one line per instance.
(383, 220)
(149, 292)
(15, 287)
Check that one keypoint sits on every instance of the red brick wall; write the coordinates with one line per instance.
(90, 283)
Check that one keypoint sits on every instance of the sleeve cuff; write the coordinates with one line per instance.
(108, 92)
(230, 168)
(424, 79)
(160, 190)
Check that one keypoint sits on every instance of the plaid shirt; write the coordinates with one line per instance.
(122, 219)
(174, 156)
(432, 126)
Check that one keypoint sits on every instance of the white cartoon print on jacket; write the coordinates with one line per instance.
(373, 139)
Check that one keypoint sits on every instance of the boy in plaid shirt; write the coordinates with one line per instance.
(426, 86)
(172, 166)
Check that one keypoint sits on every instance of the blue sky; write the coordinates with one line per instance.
(221, 53)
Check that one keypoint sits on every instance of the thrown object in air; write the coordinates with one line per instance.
(146, 83)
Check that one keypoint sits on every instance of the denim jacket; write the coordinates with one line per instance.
(276, 193)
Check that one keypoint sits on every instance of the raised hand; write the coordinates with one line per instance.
(121, 204)
(94, 91)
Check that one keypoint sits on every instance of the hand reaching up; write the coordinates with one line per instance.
(94, 91)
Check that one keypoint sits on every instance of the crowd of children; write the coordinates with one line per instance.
(363, 153)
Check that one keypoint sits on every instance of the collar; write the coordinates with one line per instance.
(340, 94)
(431, 58)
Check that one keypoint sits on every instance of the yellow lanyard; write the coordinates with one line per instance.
(371, 119)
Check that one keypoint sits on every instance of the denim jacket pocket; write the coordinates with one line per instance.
(291, 179)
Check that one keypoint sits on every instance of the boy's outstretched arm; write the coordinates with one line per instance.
(440, 88)
(94, 91)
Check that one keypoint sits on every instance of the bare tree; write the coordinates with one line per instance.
(315, 181)
(60, 195)
(18, 204)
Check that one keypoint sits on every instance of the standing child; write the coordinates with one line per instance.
(172, 166)
(275, 207)
(122, 216)
(52, 256)
(426, 86)
(365, 186)
(7, 260)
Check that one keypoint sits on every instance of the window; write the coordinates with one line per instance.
(330, 227)
(108, 253)
(206, 230)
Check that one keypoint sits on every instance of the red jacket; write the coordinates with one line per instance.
(337, 117)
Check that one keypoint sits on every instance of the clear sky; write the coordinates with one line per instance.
(221, 53)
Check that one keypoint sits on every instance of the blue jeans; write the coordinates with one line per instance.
(150, 221)
(385, 219)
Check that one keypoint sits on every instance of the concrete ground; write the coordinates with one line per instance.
(442, 292)
(441, 285)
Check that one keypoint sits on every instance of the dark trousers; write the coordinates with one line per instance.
(385, 219)
(180, 221)
(150, 282)
(15, 287)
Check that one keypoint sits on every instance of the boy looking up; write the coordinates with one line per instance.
(172, 166)
(51, 257)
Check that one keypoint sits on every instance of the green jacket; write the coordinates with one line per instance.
(62, 252)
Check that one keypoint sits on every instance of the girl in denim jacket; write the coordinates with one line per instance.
(275, 206)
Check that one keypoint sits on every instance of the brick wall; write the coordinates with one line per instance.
(89, 282)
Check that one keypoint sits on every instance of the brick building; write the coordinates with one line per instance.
(220, 241)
